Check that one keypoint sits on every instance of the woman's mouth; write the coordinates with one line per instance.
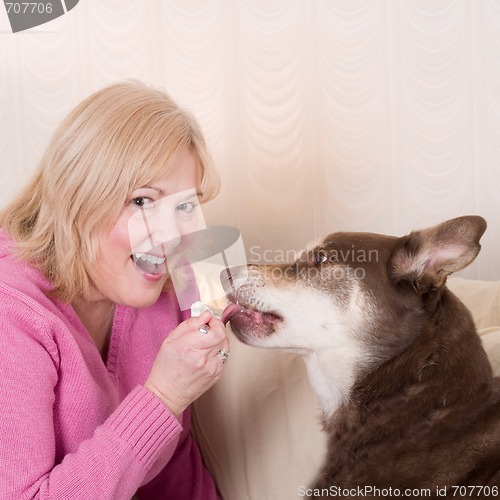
(149, 263)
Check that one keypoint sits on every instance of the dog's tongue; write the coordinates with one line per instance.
(230, 311)
(255, 316)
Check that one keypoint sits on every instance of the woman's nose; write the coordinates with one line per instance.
(164, 229)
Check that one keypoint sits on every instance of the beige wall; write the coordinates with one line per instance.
(371, 115)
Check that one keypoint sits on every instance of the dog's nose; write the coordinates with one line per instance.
(229, 275)
(226, 279)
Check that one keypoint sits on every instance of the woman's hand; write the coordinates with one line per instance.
(189, 362)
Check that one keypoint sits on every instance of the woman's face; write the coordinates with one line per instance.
(136, 256)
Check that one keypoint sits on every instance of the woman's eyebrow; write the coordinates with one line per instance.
(199, 194)
(160, 191)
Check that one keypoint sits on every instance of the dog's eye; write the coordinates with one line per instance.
(319, 257)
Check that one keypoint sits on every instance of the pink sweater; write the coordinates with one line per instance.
(74, 427)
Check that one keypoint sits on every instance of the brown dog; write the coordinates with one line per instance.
(408, 398)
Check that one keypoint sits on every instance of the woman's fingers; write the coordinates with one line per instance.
(190, 361)
(190, 324)
(202, 332)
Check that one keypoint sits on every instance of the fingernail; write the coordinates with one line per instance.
(204, 328)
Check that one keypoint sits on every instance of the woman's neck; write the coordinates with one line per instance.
(97, 318)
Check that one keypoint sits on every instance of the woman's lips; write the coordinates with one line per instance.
(151, 267)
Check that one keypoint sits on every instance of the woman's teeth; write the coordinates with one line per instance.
(149, 258)
(150, 264)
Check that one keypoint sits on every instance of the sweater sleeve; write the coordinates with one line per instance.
(110, 464)
(185, 477)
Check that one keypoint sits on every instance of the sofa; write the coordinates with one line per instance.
(258, 427)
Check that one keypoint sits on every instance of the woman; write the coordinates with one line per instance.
(98, 363)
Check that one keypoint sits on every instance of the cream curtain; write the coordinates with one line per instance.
(322, 115)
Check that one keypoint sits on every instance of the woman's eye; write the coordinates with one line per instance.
(186, 207)
(141, 201)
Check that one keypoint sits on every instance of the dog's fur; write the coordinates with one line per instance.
(408, 396)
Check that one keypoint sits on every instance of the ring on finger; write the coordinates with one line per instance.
(204, 328)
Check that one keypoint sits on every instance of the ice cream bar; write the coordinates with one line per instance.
(198, 308)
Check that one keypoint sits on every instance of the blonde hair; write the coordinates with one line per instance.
(121, 137)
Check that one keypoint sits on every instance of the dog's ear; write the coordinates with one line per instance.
(432, 254)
